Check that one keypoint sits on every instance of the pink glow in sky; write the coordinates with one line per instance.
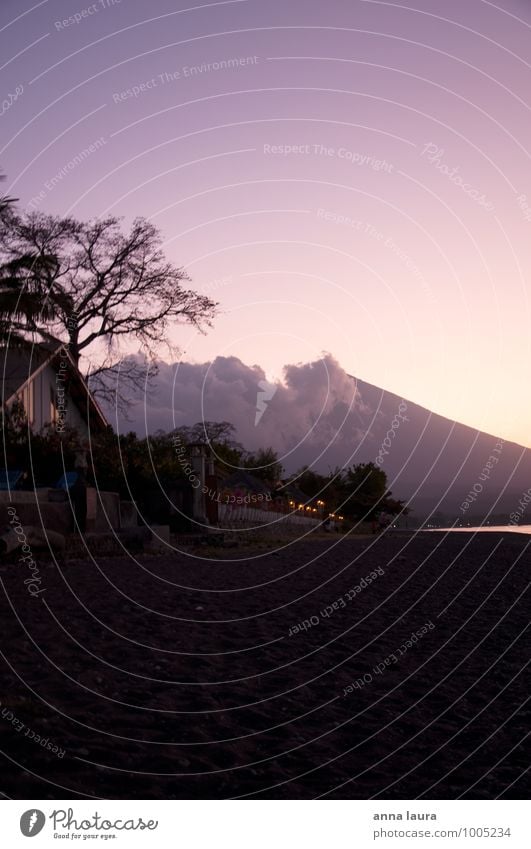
(351, 177)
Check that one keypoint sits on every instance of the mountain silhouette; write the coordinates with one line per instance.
(321, 416)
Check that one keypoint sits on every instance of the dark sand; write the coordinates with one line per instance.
(176, 678)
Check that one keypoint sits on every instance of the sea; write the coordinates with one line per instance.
(515, 529)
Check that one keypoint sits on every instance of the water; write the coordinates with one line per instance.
(514, 529)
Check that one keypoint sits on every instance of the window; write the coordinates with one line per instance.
(28, 400)
(53, 406)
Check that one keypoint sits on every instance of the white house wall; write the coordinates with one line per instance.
(42, 385)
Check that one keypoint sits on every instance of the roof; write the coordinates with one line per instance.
(291, 490)
(19, 365)
(246, 480)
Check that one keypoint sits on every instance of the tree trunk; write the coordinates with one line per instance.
(73, 346)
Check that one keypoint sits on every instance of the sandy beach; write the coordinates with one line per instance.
(389, 667)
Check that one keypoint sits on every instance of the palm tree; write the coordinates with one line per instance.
(25, 302)
(5, 201)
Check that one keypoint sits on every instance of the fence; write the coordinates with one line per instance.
(232, 516)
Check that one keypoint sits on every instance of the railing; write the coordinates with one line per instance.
(236, 515)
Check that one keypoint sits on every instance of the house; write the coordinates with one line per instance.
(295, 499)
(242, 487)
(46, 380)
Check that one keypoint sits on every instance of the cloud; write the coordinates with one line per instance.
(320, 416)
(316, 407)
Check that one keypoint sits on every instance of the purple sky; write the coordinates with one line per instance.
(350, 177)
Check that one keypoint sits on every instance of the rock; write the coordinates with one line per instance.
(37, 538)
(135, 539)
(8, 541)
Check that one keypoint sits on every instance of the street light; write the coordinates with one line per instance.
(198, 449)
(198, 454)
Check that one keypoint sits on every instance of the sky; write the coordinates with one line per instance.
(348, 178)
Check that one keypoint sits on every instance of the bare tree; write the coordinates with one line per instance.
(95, 283)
